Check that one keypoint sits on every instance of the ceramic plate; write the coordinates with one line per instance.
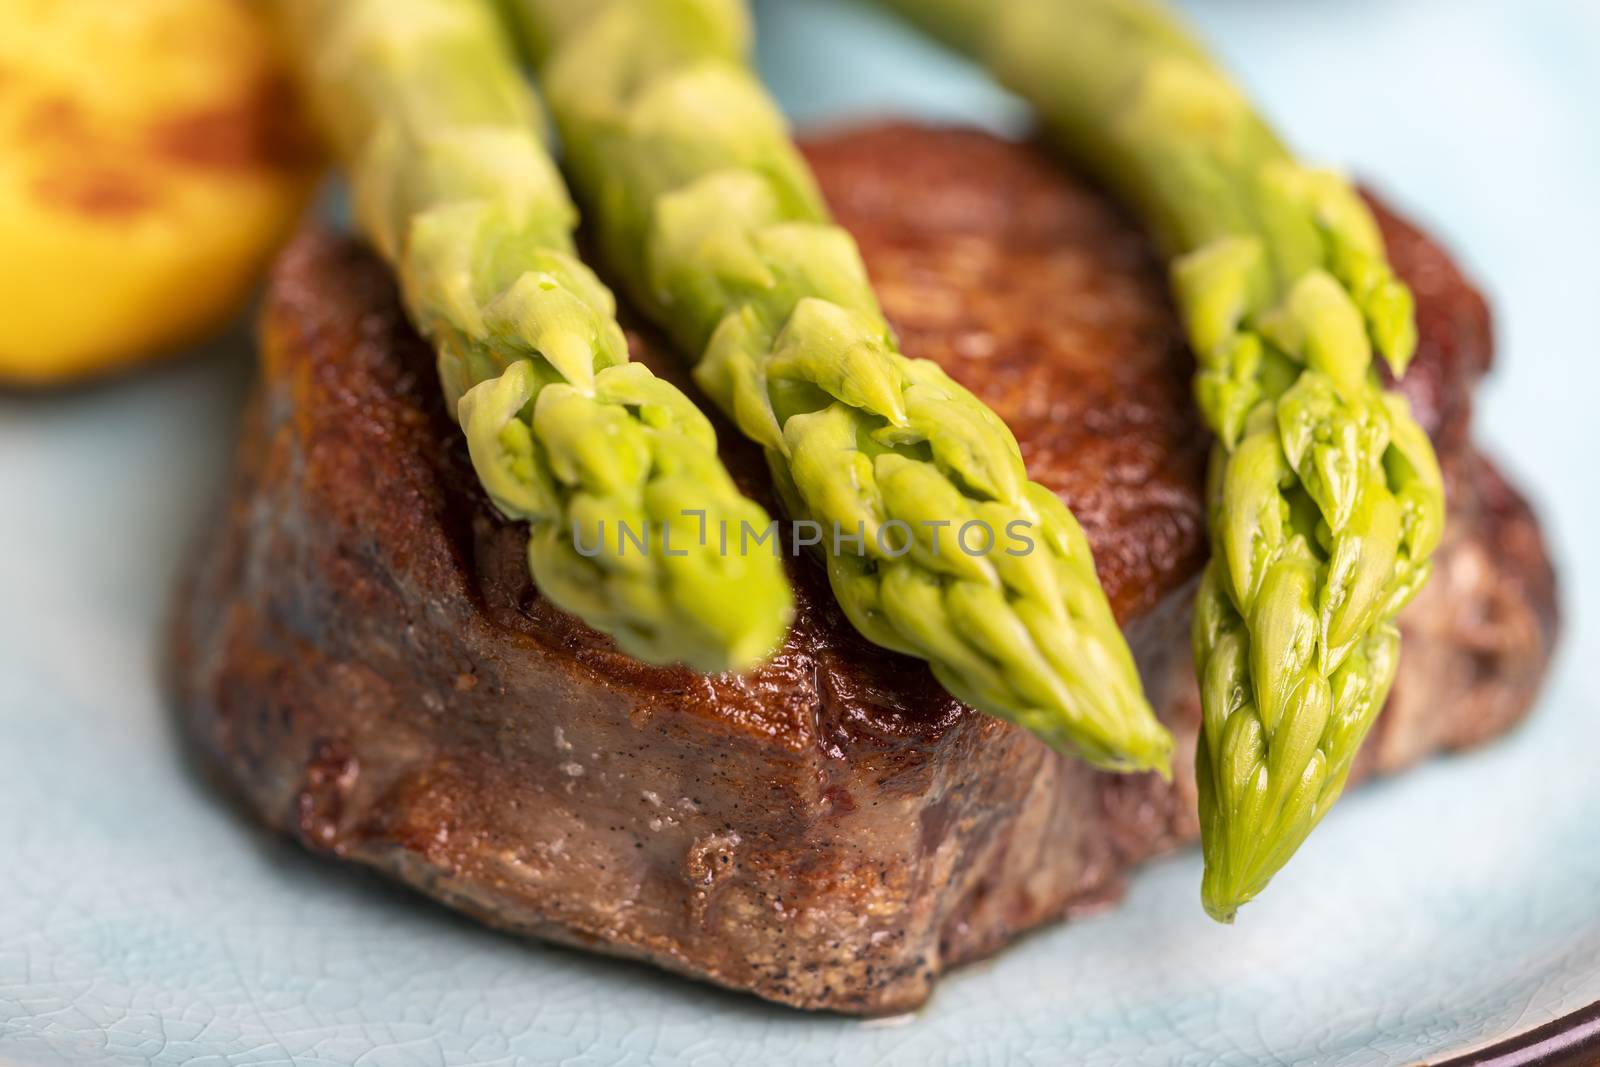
(142, 920)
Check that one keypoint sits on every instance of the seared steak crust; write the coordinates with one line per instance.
(360, 652)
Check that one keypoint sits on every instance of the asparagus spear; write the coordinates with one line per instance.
(615, 470)
(706, 209)
(1326, 498)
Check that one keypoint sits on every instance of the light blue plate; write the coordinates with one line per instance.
(142, 920)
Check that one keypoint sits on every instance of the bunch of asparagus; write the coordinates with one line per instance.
(704, 207)
(615, 470)
(1325, 497)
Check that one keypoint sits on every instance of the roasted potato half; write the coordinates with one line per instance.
(151, 158)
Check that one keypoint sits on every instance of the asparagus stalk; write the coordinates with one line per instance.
(615, 471)
(706, 209)
(1326, 497)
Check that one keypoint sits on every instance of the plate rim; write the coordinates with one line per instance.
(1572, 1040)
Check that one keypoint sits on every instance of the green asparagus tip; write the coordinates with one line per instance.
(701, 201)
(434, 122)
(1154, 754)
(1221, 896)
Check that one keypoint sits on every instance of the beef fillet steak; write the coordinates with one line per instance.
(360, 653)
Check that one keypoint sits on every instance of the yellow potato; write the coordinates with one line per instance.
(150, 160)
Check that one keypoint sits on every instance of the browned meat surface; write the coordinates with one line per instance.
(360, 652)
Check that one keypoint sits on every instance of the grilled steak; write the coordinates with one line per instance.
(361, 654)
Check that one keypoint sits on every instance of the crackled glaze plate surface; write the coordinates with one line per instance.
(142, 920)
